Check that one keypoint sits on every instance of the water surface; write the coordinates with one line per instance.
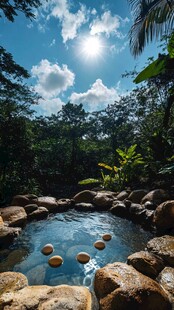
(70, 233)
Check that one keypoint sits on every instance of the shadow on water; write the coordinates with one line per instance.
(70, 233)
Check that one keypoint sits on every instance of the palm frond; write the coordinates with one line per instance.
(152, 18)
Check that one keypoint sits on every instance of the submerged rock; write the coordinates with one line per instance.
(7, 235)
(119, 286)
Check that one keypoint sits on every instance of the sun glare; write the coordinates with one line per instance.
(91, 47)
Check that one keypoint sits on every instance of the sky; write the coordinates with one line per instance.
(75, 51)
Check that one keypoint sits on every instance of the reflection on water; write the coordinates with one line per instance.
(70, 233)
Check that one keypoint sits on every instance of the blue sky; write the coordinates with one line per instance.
(75, 51)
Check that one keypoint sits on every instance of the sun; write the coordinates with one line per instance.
(91, 47)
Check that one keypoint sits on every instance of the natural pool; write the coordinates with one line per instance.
(70, 233)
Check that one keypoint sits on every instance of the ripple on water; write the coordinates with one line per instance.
(70, 233)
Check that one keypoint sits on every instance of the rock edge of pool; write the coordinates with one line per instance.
(146, 281)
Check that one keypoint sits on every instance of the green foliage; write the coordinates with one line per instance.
(11, 8)
(122, 175)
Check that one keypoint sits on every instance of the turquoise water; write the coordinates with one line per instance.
(70, 233)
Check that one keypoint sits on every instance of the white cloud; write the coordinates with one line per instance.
(98, 95)
(52, 43)
(115, 49)
(107, 24)
(70, 22)
(51, 78)
(50, 106)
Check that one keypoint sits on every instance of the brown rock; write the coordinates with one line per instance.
(166, 280)
(38, 214)
(13, 215)
(123, 195)
(119, 286)
(1, 221)
(103, 200)
(64, 204)
(146, 263)
(30, 208)
(164, 215)
(85, 196)
(137, 195)
(49, 203)
(156, 196)
(20, 200)
(7, 234)
(61, 297)
(14, 258)
(119, 209)
(84, 206)
(12, 281)
(163, 247)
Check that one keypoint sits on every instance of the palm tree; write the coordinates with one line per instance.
(152, 18)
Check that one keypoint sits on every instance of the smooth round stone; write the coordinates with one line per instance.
(55, 261)
(107, 237)
(47, 249)
(83, 257)
(99, 244)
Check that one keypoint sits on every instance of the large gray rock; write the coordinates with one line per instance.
(164, 215)
(121, 287)
(64, 204)
(123, 195)
(85, 196)
(146, 263)
(7, 234)
(30, 208)
(163, 247)
(137, 195)
(14, 215)
(166, 280)
(156, 196)
(61, 297)
(20, 200)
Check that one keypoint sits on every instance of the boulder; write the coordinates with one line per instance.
(137, 195)
(163, 247)
(39, 214)
(11, 282)
(166, 280)
(61, 297)
(137, 212)
(13, 258)
(123, 195)
(156, 196)
(84, 206)
(64, 204)
(20, 200)
(85, 196)
(119, 209)
(7, 234)
(14, 215)
(146, 263)
(1, 221)
(103, 200)
(49, 203)
(120, 286)
(30, 208)
(164, 215)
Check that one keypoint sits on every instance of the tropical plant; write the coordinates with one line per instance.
(122, 175)
(152, 18)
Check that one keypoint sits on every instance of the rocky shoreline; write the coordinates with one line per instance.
(146, 281)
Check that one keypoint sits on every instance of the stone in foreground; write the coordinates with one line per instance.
(121, 287)
(146, 263)
(163, 247)
(61, 297)
(166, 280)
